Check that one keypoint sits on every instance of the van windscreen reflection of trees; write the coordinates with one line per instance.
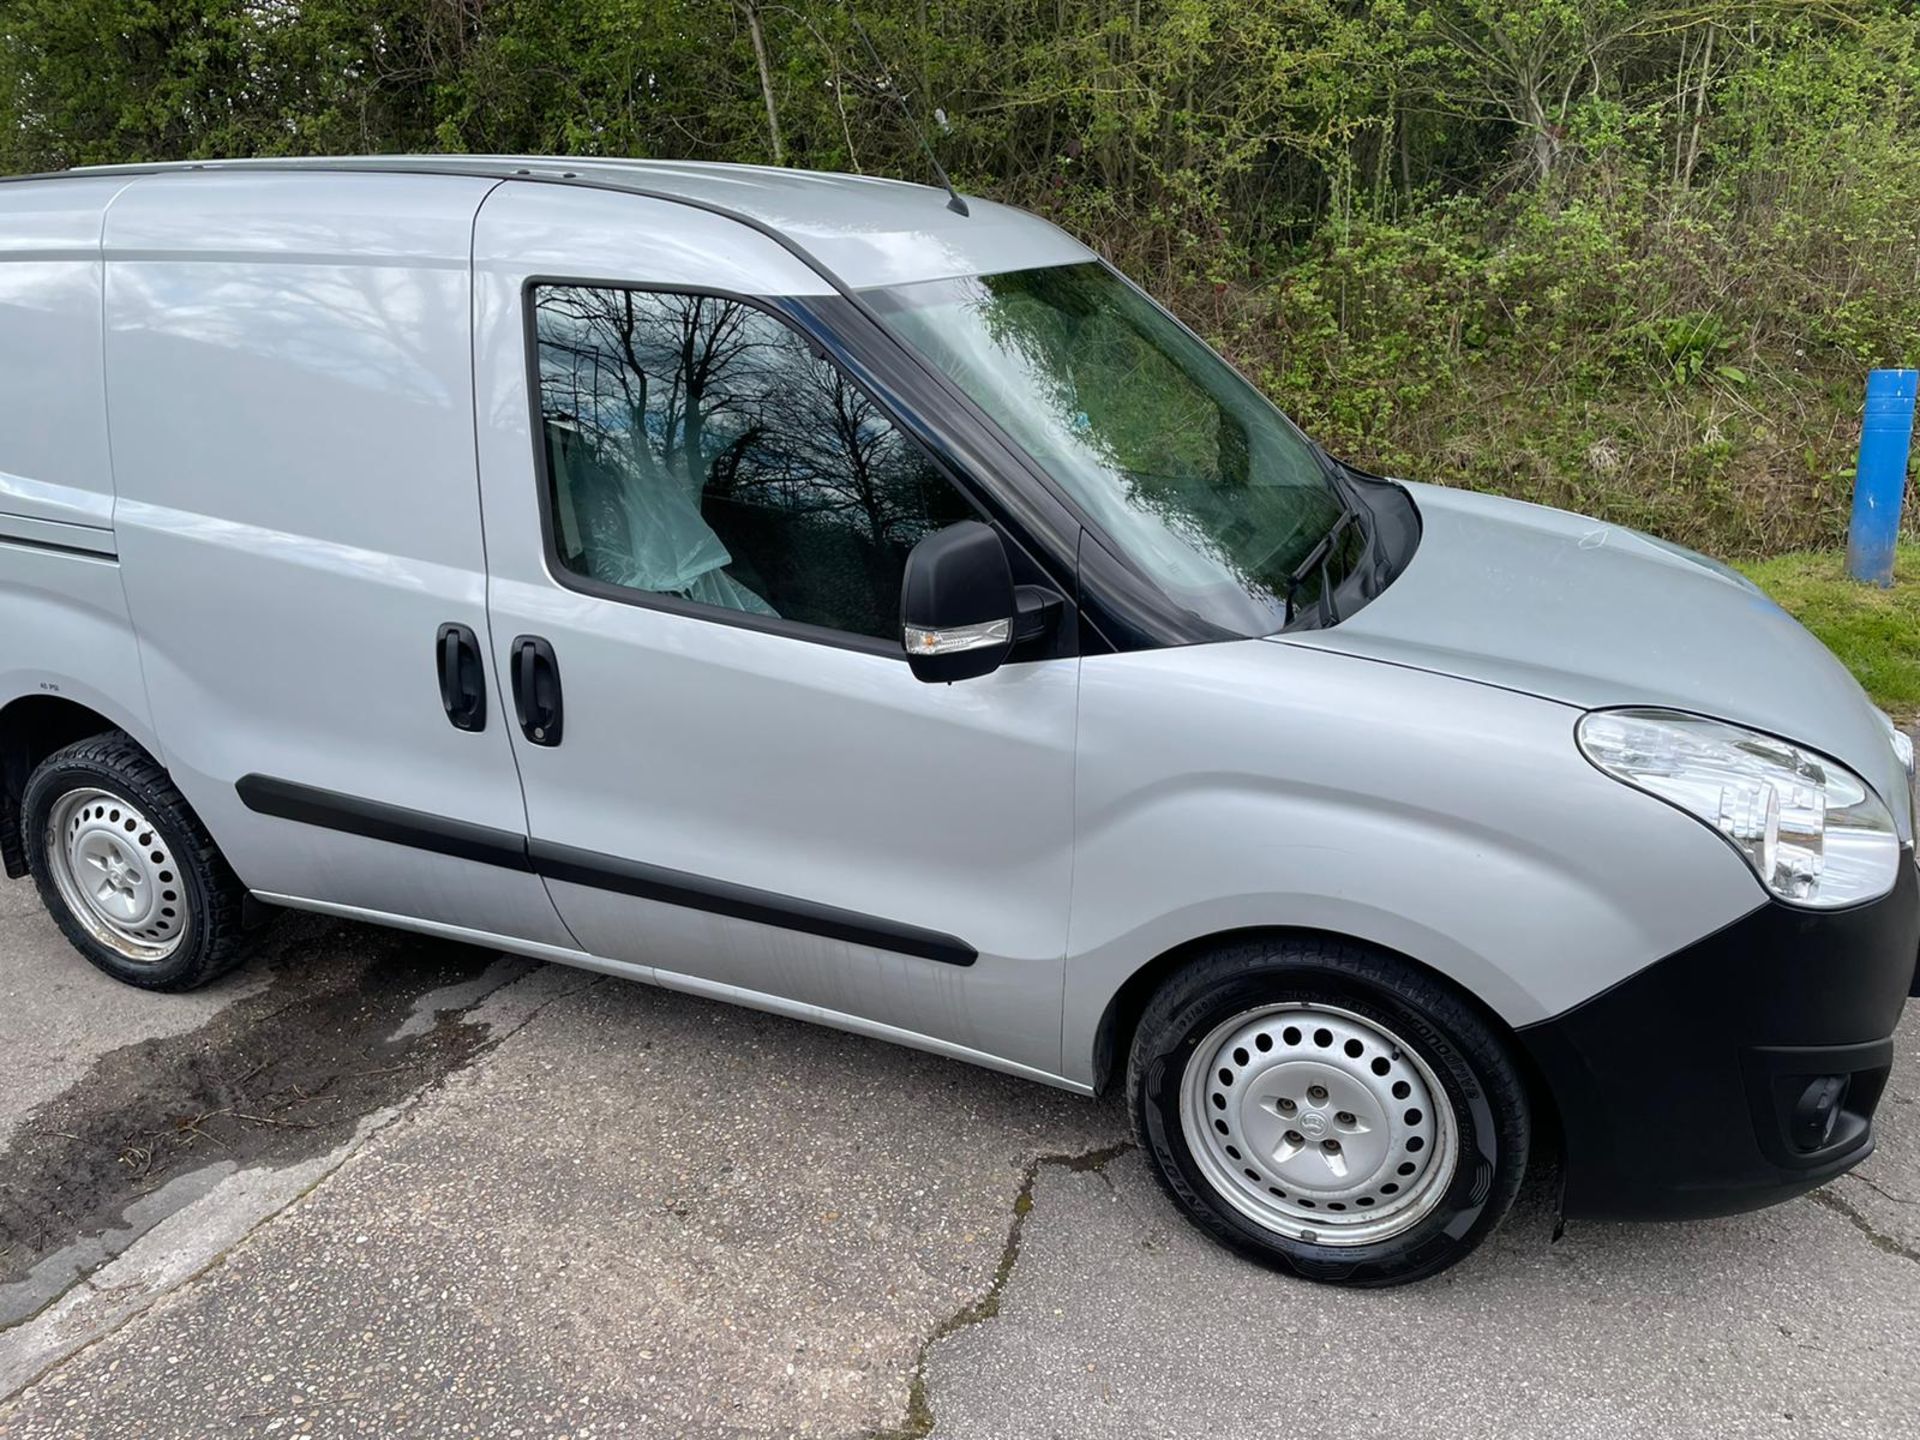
(697, 447)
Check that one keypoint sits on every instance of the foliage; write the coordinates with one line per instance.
(1626, 255)
(1875, 632)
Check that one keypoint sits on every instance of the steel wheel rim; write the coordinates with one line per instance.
(1318, 1124)
(116, 874)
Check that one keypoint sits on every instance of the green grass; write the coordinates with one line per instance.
(1875, 632)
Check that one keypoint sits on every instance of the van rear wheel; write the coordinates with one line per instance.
(1329, 1110)
(127, 870)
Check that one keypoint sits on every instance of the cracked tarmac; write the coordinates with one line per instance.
(584, 1207)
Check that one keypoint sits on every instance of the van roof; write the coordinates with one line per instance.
(864, 230)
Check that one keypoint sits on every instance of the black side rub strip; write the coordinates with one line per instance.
(399, 826)
(331, 810)
(742, 902)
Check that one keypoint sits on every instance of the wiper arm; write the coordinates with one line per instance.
(1317, 558)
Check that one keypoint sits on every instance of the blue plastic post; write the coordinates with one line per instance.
(1880, 484)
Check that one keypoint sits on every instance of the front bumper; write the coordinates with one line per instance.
(1695, 1087)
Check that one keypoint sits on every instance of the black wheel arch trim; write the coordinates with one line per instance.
(486, 845)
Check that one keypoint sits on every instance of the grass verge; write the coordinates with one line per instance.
(1875, 632)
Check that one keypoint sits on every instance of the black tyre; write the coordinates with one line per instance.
(1328, 1110)
(127, 870)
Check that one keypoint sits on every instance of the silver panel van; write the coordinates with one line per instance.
(807, 591)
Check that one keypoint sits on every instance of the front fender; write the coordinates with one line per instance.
(1250, 785)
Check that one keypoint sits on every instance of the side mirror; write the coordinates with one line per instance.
(957, 604)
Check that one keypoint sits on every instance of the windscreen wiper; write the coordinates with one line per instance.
(1317, 559)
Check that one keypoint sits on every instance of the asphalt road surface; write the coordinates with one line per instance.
(374, 1185)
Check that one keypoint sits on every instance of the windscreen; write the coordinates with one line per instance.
(1191, 472)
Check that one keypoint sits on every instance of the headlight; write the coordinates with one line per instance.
(1812, 830)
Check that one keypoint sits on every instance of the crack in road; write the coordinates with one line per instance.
(919, 1420)
(1880, 1189)
(1827, 1200)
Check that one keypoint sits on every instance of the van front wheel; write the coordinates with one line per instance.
(1328, 1110)
(127, 870)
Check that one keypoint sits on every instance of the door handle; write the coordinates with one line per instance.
(463, 677)
(536, 690)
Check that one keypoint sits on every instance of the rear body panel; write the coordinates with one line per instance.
(55, 466)
(63, 610)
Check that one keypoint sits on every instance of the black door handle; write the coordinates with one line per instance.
(463, 677)
(536, 690)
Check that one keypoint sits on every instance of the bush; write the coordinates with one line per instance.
(1631, 256)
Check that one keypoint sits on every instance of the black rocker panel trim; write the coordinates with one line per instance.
(331, 810)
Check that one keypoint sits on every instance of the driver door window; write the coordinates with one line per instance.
(697, 448)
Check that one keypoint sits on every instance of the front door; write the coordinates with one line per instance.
(696, 528)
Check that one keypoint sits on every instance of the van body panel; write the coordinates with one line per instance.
(821, 773)
(63, 609)
(68, 636)
(293, 421)
(824, 775)
(1377, 821)
(55, 502)
(54, 461)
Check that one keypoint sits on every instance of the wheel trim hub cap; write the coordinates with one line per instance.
(117, 875)
(1318, 1124)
